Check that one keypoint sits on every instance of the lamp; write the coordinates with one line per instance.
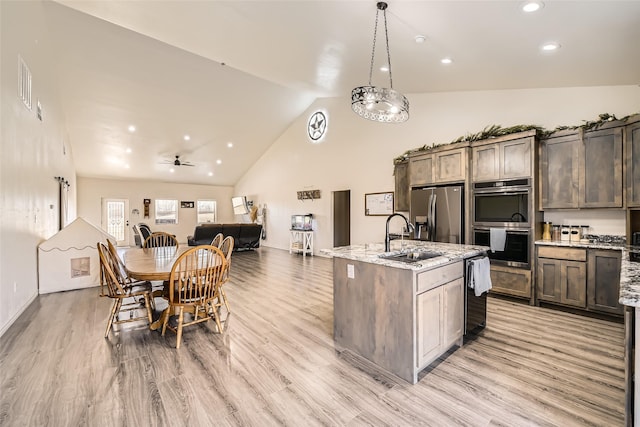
(375, 103)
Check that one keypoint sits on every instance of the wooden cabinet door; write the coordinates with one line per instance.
(515, 159)
(633, 164)
(429, 325)
(603, 281)
(601, 169)
(453, 312)
(511, 281)
(574, 283)
(486, 162)
(421, 170)
(548, 279)
(401, 196)
(451, 165)
(560, 164)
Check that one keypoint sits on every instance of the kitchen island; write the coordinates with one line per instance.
(399, 313)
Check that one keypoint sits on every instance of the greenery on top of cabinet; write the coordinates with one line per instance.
(495, 131)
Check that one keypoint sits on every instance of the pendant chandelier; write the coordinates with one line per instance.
(380, 104)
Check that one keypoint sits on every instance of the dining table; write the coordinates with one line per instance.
(153, 264)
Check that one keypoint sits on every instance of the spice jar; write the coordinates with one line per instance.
(556, 232)
(575, 233)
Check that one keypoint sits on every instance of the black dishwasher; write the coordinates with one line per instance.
(475, 308)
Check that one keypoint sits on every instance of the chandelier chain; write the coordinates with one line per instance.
(373, 51)
(386, 36)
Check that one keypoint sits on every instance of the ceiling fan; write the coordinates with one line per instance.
(177, 162)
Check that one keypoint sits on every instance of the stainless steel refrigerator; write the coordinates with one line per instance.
(437, 212)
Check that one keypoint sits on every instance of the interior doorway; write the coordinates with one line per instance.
(341, 218)
(115, 219)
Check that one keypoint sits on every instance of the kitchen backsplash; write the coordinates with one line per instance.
(601, 222)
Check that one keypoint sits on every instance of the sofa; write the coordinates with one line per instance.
(245, 235)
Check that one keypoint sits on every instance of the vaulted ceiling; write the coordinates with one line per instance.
(241, 72)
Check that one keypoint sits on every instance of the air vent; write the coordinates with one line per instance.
(24, 82)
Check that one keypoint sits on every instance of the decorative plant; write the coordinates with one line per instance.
(495, 131)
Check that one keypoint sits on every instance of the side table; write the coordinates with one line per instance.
(301, 241)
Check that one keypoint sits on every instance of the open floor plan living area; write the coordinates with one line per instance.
(332, 213)
(277, 364)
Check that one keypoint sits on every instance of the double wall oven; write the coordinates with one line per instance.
(504, 207)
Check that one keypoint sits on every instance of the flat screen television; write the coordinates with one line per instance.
(239, 204)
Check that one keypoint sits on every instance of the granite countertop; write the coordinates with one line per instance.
(630, 278)
(629, 272)
(593, 244)
(370, 252)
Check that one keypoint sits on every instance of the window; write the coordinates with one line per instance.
(166, 211)
(206, 211)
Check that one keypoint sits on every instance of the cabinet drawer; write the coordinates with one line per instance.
(439, 276)
(572, 254)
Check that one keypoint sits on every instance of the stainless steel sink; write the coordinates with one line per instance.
(412, 256)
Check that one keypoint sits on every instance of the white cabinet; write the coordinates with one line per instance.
(429, 325)
(440, 318)
(453, 313)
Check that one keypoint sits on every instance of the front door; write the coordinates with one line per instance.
(115, 219)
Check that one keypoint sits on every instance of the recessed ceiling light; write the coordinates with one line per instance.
(172, 170)
(384, 68)
(210, 174)
(131, 128)
(128, 150)
(550, 47)
(446, 60)
(532, 6)
(187, 137)
(219, 161)
(229, 144)
(420, 38)
(126, 166)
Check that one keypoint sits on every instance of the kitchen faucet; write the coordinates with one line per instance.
(387, 239)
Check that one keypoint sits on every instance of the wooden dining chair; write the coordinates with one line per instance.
(137, 236)
(120, 290)
(121, 268)
(217, 240)
(159, 239)
(193, 285)
(227, 249)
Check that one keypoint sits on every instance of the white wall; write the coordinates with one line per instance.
(91, 191)
(357, 154)
(32, 154)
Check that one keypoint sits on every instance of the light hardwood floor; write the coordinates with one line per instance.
(277, 365)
